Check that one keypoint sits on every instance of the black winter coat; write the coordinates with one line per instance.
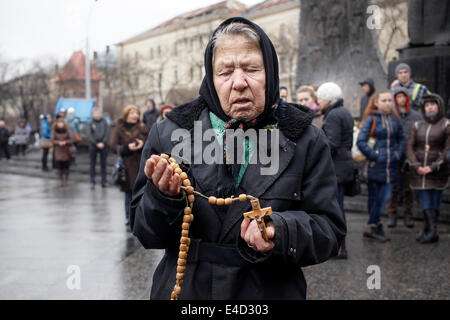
(338, 127)
(309, 225)
(4, 135)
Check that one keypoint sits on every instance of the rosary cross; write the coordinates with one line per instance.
(258, 214)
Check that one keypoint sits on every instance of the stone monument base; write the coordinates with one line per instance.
(429, 66)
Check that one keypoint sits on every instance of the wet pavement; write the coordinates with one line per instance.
(52, 239)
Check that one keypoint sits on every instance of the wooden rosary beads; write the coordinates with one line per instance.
(189, 192)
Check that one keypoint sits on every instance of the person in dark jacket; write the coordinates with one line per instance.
(381, 168)
(401, 192)
(427, 146)
(98, 137)
(368, 87)
(228, 258)
(151, 114)
(338, 127)
(4, 138)
(127, 140)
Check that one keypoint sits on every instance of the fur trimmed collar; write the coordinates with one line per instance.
(292, 119)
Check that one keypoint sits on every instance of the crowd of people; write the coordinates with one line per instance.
(404, 139)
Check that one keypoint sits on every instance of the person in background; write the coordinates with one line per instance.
(127, 140)
(98, 137)
(151, 114)
(283, 93)
(415, 90)
(306, 96)
(4, 138)
(401, 192)
(426, 149)
(21, 137)
(163, 110)
(46, 136)
(62, 142)
(381, 168)
(368, 87)
(61, 113)
(338, 127)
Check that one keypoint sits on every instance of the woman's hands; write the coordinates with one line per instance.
(252, 235)
(423, 171)
(135, 146)
(162, 175)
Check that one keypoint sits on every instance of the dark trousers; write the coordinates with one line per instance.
(93, 150)
(44, 157)
(5, 148)
(402, 194)
(379, 194)
(341, 198)
(21, 148)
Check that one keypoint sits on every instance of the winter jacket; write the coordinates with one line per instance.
(62, 153)
(302, 194)
(4, 135)
(22, 135)
(150, 117)
(120, 139)
(428, 145)
(365, 98)
(410, 116)
(46, 131)
(338, 127)
(382, 164)
(98, 131)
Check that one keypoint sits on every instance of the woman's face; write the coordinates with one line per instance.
(323, 103)
(239, 77)
(133, 116)
(384, 102)
(431, 108)
(60, 125)
(305, 99)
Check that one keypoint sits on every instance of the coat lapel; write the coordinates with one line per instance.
(255, 184)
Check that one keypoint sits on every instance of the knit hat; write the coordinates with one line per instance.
(402, 66)
(329, 91)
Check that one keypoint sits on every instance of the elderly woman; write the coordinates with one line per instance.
(338, 127)
(228, 257)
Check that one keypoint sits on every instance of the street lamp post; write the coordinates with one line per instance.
(87, 61)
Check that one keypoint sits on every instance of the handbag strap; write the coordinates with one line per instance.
(372, 130)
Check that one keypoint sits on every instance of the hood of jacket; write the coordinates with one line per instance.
(371, 84)
(397, 91)
(432, 98)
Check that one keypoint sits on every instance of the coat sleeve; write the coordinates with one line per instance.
(312, 231)
(435, 166)
(363, 137)
(155, 218)
(410, 154)
(400, 141)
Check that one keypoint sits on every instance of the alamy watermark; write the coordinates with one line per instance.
(259, 139)
(73, 282)
(374, 20)
(374, 280)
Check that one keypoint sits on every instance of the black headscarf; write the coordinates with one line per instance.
(207, 90)
(229, 174)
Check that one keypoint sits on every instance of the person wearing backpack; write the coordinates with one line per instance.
(426, 149)
(382, 159)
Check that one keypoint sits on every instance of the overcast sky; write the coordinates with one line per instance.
(33, 29)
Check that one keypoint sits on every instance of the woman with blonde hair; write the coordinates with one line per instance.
(306, 96)
(381, 122)
(127, 140)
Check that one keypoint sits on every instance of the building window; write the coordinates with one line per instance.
(136, 57)
(159, 51)
(175, 75)
(175, 49)
(151, 53)
(200, 42)
(191, 72)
